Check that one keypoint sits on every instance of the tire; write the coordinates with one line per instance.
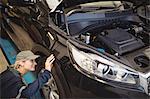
(61, 83)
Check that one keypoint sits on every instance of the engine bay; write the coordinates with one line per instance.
(127, 40)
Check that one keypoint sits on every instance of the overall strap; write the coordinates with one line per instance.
(20, 91)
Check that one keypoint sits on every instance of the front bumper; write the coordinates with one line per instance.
(101, 90)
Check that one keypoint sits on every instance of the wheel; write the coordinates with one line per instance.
(65, 92)
(50, 90)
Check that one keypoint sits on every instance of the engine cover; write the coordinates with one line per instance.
(120, 41)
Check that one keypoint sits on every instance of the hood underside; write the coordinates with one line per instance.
(53, 4)
(69, 3)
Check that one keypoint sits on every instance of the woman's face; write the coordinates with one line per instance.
(29, 65)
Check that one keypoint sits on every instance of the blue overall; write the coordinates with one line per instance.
(11, 82)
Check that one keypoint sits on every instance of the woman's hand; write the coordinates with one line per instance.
(49, 62)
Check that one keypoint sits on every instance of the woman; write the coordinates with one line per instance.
(12, 83)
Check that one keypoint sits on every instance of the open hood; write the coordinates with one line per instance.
(53, 4)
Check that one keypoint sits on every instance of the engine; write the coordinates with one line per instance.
(120, 39)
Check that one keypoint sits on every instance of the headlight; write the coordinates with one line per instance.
(103, 68)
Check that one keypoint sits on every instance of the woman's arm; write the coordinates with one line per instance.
(32, 88)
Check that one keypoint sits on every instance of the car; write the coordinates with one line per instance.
(102, 46)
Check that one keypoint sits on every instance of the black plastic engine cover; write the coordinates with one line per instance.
(120, 41)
